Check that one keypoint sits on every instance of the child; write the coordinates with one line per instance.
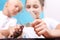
(7, 22)
(46, 26)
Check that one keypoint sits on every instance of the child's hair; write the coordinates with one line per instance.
(41, 1)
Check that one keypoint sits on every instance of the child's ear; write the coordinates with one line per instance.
(21, 6)
(6, 5)
(42, 8)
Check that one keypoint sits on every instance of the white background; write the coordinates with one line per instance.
(52, 9)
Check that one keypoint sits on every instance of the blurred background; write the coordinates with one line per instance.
(51, 9)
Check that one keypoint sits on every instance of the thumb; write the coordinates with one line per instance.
(36, 22)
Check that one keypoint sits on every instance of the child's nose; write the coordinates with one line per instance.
(17, 9)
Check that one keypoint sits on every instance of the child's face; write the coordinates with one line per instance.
(34, 7)
(14, 7)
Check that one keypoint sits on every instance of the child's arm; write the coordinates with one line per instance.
(4, 33)
(40, 28)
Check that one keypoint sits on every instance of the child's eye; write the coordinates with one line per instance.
(16, 6)
(35, 6)
(28, 6)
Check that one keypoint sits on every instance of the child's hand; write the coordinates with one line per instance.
(17, 31)
(40, 27)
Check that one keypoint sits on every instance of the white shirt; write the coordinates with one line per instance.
(51, 23)
(30, 33)
(6, 22)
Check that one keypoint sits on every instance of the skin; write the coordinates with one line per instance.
(40, 27)
(12, 7)
(34, 8)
